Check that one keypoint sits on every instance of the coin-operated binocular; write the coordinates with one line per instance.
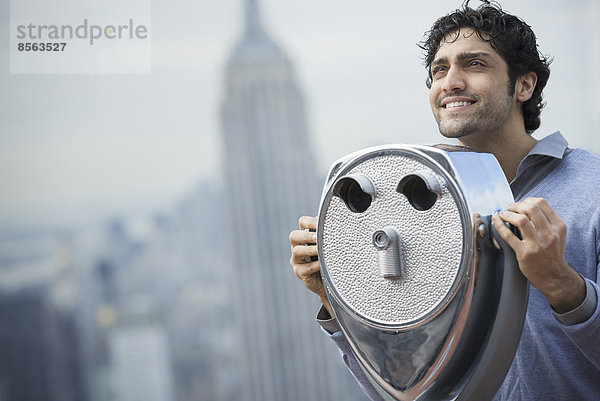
(431, 301)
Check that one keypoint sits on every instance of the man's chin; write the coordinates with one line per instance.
(450, 128)
(457, 129)
(453, 133)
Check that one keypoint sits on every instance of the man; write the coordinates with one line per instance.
(485, 82)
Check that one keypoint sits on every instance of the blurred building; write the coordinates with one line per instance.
(40, 348)
(156, 315)
(190, 253)
(270, 181)
(141, 359)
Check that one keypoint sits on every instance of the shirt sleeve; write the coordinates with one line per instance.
(586, 335)
(584, 311)
(332, 329)
(328, 323)
(585, 332)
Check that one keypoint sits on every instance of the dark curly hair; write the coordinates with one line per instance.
(510, 36)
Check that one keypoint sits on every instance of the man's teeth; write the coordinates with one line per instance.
(457, 104)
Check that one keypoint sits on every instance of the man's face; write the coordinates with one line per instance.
(469, 94)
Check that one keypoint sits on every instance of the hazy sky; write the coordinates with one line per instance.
(74, 148)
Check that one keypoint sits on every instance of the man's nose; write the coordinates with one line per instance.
(454, 80)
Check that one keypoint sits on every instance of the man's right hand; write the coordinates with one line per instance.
(308, 271)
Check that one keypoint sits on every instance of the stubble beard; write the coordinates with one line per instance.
(485, 118)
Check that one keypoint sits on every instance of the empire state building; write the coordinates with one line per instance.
(270, 180)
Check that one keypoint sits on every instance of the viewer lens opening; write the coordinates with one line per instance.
(354, 197)
(357, 192)
(417, 192)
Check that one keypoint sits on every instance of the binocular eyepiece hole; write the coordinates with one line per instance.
(357, 192)
(421, 192)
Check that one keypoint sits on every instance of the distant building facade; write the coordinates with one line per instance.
(142, 368)
(270, 180)
(40, 348)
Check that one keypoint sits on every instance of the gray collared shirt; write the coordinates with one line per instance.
(536, 165)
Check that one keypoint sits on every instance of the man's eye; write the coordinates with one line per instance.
(476, 63)
(438, 70)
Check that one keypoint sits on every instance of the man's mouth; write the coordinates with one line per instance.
(457, 105)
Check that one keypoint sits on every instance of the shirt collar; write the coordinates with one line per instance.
(551, 146)
(554, 145)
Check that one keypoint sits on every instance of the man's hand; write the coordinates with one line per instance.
(304, 268)
(541, 252)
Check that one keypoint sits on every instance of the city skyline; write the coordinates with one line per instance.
(76, 149)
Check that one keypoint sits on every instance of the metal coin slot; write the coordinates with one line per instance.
(381, 240)
(421, 189)
(388, 255)
(357, 192)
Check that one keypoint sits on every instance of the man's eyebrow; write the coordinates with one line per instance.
(441, 60)
(470, 55)
(461, 57)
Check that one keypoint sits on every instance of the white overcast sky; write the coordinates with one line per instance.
(75, 148)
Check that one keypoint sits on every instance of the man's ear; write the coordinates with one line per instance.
(524, 86)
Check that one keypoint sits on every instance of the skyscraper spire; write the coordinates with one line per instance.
(253, 25)
(254, 42)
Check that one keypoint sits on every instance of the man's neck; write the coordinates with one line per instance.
(509, 150)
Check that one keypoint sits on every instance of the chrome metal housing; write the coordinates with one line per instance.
(431, 308)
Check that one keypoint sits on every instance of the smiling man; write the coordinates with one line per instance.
(485, 79)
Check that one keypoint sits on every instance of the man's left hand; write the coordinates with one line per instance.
(541, 252)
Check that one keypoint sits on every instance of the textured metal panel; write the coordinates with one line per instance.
(431, 242)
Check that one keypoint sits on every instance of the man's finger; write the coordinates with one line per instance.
(307, 222)
(533, 212)
(301, 237)
(545, 208)
(300, 253)
(505, 233)
(306, 270)
(521, 221)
